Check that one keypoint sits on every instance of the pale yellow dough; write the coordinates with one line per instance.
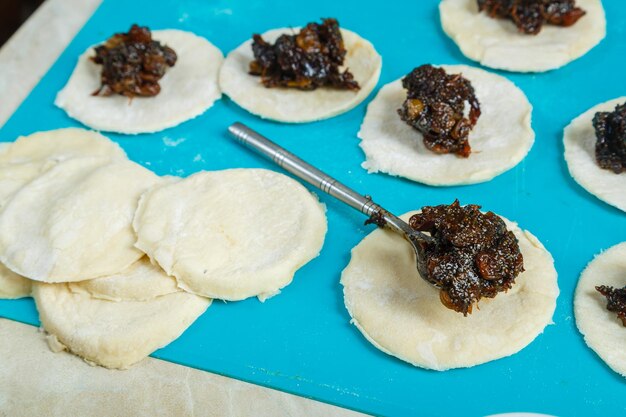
(13, 285)
(579, 139)
(497, 43)
(501, 138)
(603, 331)
(73, 222)
(142, 281)
(231, 234)
(292, 105)
(187, 90)
(113, 334)
(401, 314)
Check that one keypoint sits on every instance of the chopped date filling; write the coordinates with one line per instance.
(307, 60)
(132, 64)
(442, 107)
(611, 139)
(530, 15)
(616, 300)
(473, 254)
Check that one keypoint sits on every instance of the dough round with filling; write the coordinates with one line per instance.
(297, 106)
(401, 314)
(114, 334)
(602, 329)
(13, 285)
(74, 221)
(579, 140)
(500, 139)
(231, 234)
(497, 43)
(142, 281)
(188, 89)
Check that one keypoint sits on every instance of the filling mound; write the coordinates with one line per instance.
(611, 139)
(442, 107)
(307, 60)
(473, 254)
(132, 64)
(616, 300)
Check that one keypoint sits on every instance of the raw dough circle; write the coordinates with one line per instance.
(497, 43)
(292, 105)
(187, 90)
(231, 234)
(114, 334)
(603, 331)
(142, 281)
(13, 285)
(401, 314)
(74, 221)
(579, 139)
(500, 140)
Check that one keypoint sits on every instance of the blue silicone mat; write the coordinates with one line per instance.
(301, 341)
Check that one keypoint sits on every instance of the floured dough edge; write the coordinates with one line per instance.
(501, 139)
(187, 90)
(435, 364)
(602, 330)
(144, 326)
(579, 140)
(496, 43)
(296, 106)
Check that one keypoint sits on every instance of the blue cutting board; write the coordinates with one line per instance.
(301, 341)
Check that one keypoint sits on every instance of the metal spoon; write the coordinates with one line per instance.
(315, 177)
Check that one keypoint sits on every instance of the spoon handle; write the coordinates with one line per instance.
(317, 178)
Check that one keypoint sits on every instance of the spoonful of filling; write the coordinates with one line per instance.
(132, 64)
(610, 130)
(616, 300)
(307, 60)
(442, 107)
(463, 252)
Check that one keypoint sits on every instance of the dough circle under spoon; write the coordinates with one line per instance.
(315, 177)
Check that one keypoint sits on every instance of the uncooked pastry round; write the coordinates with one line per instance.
(579, 139)
(188, 89)
(497, 43)
(114, 334)
(142, 281)
(500, 140)
(13, 285)
(292, 105)
(74, 221)
(603, 331)
(401, 314)
(231, 234)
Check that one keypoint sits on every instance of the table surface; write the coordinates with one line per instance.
(301, 341)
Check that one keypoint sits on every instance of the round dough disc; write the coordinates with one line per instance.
(297, 106)
(603, 331)
(114, 334)
(74, 221)
(401, 314)
(580, 153)
(500, 140)
(497, 43)
(142, 281)
(13, 285)
(188, 89)
(231, 234)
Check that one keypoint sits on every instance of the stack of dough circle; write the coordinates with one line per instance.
(497, 43)
(500, 139)
(580, 153)
(73, 222)
(114, 334)
(187, 90)
(293, 105)
(402, 315)
(30, 156)
(602, 329)
(231, 234)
